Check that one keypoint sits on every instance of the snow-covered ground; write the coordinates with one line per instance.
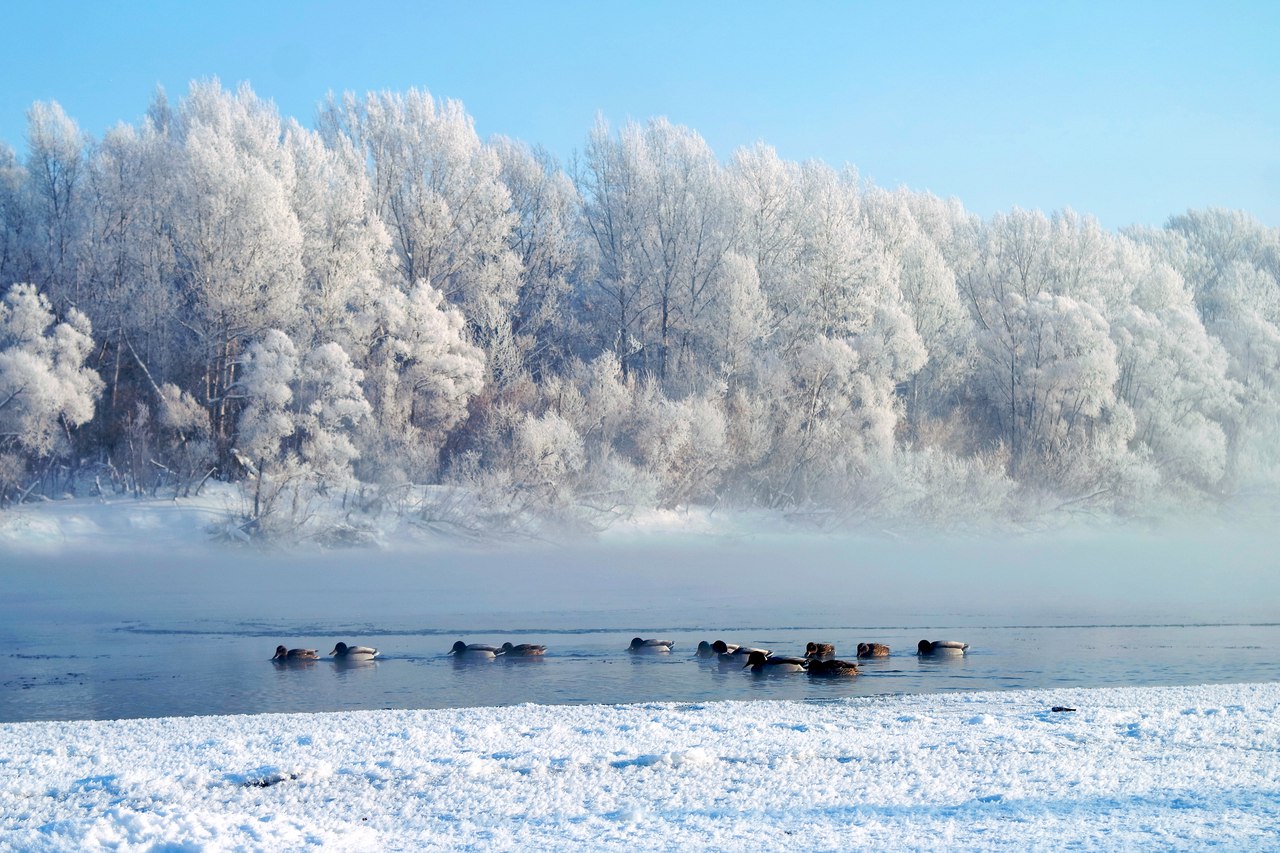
(1131, 768)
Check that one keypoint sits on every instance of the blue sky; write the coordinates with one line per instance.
(1128, 111)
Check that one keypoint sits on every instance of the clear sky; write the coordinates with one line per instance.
(1130, 111)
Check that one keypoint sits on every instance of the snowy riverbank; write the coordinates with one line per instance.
(1131, 768)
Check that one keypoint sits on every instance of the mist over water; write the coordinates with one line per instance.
(673, 580)
(149, 633)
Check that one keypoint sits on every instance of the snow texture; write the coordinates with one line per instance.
(1132, 768)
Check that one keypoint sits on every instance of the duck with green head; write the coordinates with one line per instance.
(473, 651)
(759, 664)
(343, 652)
(941, 648)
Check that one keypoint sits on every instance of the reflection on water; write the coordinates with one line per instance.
(150, 674)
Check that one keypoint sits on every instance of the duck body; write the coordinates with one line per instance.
(819, 651)
(641, 646)
(832, 667)
(295, 654)
(474, 651)
(873, 650)
(522, 650)
(941, 648)
(761, 664)
(349, 653)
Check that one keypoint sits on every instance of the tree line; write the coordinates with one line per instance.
(386, 301)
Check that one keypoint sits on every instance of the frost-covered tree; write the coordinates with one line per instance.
(438, 189)
(1172, 375)
(1048, 366)
(610, 181)
(1050, 371)
(843, 276)
(930, 299)
(55, 175)
(834, 421)
(1233, 264)
(846, 340)
(1248, 327)
(130, 270)
(184, 442)
(295, 429)
(331, 407)
(543, 330)
(683, 445)
(13, 215)
(735, 333)
(772, 222)
(235, 234)
(391, 298)
(548, 458)
(346, 250)
(266, 383)
(1214, 242)
(45, 388)
(661, 213)
(300, 411)
(420, 378)
(696, 225)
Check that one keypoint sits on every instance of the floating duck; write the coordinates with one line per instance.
(760, 663)
(353, 653)
(650, 646)
(820, 650)
(928, 648)
(295, 654)
(832, 667)
(522, 650)
(873, 650)
(474, 651)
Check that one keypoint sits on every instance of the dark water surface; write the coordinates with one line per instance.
(146, 635)
(147, 674)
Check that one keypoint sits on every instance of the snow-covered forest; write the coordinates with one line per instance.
(387, 301)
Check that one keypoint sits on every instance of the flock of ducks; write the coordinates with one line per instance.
(479, 651)
(341, 652)
(819, 658)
